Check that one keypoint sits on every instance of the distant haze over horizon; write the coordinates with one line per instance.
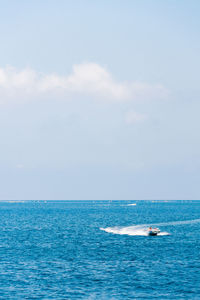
(99, 100)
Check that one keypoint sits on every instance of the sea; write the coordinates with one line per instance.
(99, 250)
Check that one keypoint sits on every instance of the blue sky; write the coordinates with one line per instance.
(99, 99)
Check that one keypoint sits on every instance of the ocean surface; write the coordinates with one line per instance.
(99, 250)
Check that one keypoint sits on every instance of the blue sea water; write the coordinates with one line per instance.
(99, 250)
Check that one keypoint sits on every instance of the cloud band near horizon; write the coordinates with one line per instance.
(86, 78)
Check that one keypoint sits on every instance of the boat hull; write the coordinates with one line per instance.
(154, 232)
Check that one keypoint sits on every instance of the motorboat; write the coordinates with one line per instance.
(153, 231)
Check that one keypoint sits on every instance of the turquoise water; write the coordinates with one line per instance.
(99, 250)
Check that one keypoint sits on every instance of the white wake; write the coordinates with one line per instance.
(139, 230)
(142, 230)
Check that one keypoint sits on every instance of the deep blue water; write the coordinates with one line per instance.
(56, 250)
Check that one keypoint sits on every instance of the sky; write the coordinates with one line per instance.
(99, 100)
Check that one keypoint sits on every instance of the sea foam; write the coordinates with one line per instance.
(142, 230)
(138, 230)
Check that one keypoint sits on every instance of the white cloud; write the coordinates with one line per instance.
(134, 117)
(86, 78)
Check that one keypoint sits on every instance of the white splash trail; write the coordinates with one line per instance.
(131, 230)
(138, 230)
(142, 230)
